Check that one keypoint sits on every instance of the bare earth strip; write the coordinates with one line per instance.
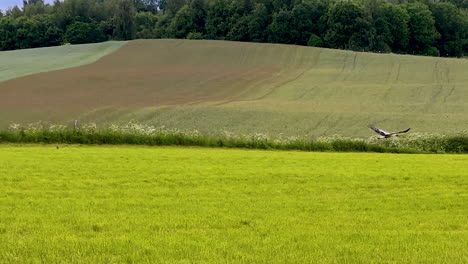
(248, 87)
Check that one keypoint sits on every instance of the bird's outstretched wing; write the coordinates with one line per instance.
(379, 131)
(404, 131)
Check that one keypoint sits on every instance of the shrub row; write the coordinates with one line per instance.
(454, 144)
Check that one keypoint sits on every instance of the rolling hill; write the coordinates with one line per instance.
(241, 87)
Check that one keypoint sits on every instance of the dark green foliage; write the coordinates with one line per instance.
(195, 35)
(306, 17)
(458, 144)
(172, 6)
(417, 27)
(281, 29)
(280, 4)
(221, 17)
(146, 25)
(238, 30)
(381, 36)
(397, 22)
(25, 32)
(315, 41)
(190, 18)
(124, 20)
(423, 33)
(458, 3)
(162, 26)
(431, 51)
(453, 29)
(257, 23)
(348, 27)
(79, 33)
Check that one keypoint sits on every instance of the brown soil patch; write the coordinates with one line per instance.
(142, 73)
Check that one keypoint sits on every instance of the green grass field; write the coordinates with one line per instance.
(19, 63)
(82, 204)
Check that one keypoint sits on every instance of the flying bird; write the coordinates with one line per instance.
(385, 134)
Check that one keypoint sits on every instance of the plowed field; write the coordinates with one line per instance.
(247, 87)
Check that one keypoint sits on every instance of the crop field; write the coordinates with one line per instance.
(247, 88)
(18, 63)
(89, 204)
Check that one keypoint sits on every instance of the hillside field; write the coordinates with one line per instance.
(18, 63)
(81, 204)
(245, 88)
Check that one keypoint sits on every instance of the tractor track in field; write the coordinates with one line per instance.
(272, 90)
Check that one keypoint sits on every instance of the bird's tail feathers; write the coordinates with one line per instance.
(404, 131)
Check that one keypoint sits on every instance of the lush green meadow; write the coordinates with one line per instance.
(82, 204)
(19, 63)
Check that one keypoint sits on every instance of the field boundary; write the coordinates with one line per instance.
(433, 144)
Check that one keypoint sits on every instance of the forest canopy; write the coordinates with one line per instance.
(434, 28)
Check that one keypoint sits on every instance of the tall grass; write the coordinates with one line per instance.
(140, 134)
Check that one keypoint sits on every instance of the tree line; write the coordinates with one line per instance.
(426, 27)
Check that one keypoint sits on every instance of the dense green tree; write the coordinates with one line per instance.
(190, 18)
(281, 4)
(303, 23)
(25, 32)
(107, 28)
(124, 20)
(348, 27)
(146, 25)
(246, 6)
(282, 29)
(458, 3)
(81, 32)
(173, 6)
(49, 34)
(221, 17)
(317, 10)
(8, 33)
(238, 31)
(452, 27)
(87, 11)
(380, 36)
(397, 19)
(162, 26)
(182, 23)
(403, 26)
(198, 10)
(315, 41)
(258, 21)
(423, 34)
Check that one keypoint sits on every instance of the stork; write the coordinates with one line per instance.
(385, 134)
